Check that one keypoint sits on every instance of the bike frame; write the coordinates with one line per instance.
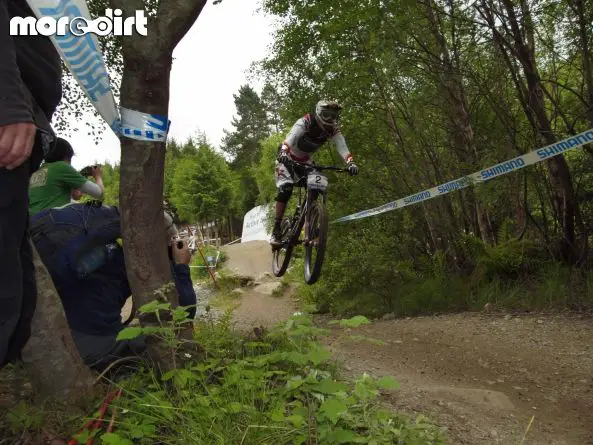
(310, 196)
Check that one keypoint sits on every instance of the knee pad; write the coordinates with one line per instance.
(284, 192)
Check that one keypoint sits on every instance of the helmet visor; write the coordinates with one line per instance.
(330, 115)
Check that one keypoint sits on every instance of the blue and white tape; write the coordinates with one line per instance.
(144, 127)
(82, 55)
(533, 157)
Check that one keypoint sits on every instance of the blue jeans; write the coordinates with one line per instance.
(99, 351)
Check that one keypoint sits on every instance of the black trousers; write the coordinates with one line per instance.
(18, 291)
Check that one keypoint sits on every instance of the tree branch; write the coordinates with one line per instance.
(578, 95)
(176, 17)
(139, 45)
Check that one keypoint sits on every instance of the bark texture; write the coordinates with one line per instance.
(51, 357)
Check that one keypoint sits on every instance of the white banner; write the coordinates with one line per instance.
(254, 224)
(533, 157)
(82, 55)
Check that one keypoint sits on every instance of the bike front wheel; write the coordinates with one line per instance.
(281, 255)
(317, 236)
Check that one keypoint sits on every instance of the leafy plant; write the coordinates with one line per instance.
(278, 388)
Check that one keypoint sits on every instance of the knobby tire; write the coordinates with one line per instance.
(318, 219)
(280, 265)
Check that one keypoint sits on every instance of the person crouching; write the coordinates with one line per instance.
(79, 245)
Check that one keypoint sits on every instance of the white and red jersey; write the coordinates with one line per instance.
(306, 137)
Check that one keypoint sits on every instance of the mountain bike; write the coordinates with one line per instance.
(310, 214)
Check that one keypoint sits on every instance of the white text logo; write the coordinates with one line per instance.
(112, 24)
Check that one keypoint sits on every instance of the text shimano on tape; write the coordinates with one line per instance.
(503, 168)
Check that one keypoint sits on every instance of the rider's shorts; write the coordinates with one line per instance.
(291, 174)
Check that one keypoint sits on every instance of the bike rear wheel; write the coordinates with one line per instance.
(281, 256)
(317, 236)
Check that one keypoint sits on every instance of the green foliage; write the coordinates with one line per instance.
(353, 322)
(429, 96)
(264, 172)
(197, 260)
(202, 185)
(511, 275)
(510, 260)
(26, 419)
(111, 183)
(243, 144)
(250, 127)
(279, 388)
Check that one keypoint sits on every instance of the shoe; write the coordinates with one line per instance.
(276, 240)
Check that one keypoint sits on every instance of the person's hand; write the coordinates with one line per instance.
(180, 250)
(97, 172)
(283, 155)
(16, 143)
(76, 194)
(352, 168)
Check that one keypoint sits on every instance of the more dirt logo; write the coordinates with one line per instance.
(111, 24)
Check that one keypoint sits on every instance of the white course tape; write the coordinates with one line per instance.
(82, 55)
(533, 157)
(142, 126)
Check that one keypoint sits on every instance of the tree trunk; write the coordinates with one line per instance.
(217, 234)
(145, 88)
(144, 82)
(560, 177)
(50, 356)
(208, 233)
(520, 192)
(462, 133)
(584, 36)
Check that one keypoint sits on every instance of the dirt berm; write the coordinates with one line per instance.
(483, 377)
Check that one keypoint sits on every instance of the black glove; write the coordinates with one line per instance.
(352, 168)
(283, 157)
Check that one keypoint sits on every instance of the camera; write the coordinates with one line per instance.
(88, 170)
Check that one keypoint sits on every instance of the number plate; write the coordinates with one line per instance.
(317, 181)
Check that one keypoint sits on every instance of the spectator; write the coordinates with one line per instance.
(64, 237)
(30, 90)
(56, 182)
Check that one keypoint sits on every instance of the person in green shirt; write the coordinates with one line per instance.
(56, 182)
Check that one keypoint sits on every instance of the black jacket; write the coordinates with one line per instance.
(30, 72)
(93, 305)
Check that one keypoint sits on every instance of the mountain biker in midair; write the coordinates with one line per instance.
(307, 135)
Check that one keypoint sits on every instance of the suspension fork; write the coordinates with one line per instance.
(312, 196)
(302, 204)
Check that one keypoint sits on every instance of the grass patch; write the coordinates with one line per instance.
(280, 387)
(27, 421)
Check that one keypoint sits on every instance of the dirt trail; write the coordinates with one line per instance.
(481, 376)
(484, 377)
(257, 306)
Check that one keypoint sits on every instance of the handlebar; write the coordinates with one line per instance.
(319, 167)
